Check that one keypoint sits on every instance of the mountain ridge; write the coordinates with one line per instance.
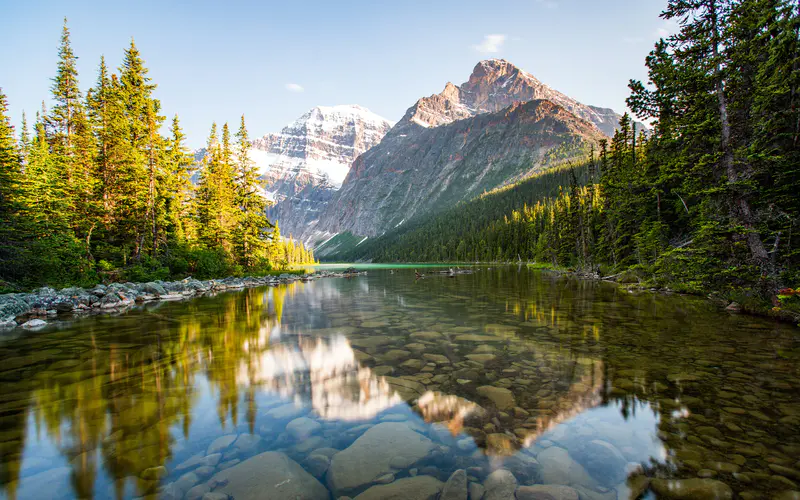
(440, 145)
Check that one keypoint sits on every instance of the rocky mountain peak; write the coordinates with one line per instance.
(493, 85)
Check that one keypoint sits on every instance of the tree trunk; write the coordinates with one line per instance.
(740, 210)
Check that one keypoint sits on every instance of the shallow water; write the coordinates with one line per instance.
(386, 384)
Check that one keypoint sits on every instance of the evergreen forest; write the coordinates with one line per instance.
(95, 191)
(707, 200)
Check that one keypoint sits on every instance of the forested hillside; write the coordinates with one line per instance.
(485, 229)
(710, 200)
(95, 191)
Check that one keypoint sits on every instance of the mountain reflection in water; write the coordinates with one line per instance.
(322, 373)
(559, 381)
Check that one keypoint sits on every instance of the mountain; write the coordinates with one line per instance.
(498, 127)
(493, 85)
(306, 162)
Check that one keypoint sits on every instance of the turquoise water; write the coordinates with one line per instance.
(386, 384)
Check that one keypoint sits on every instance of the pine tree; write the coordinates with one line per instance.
(138, 170)
(24, 139)
(10, 173)
(176, 188)
(252, 232)
(67, 97)
(217, 212)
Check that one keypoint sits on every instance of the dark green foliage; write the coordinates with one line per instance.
(708, 200)
(97, 193)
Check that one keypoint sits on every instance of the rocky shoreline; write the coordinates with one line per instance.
(33, 310)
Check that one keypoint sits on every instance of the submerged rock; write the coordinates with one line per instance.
(270, 475)
(559, 468)
(603, 461)
(691, 489)
(383, 449)
(502, 398)
(302, 428)
(456, 486)
(500, 485)
(547, 492)
(410, 488)
(220, 444)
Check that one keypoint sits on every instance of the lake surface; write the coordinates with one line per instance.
(384, 385)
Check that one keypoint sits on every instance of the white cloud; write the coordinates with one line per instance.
(490, 43)
(294, 87)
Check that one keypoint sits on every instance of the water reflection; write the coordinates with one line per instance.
(322, 373)
(558, 381)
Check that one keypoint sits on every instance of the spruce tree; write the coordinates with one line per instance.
(67, 97)
(10, 174)
(252, 235)
(176, 188)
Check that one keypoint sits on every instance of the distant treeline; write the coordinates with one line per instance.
(708, 200)
(95, 191)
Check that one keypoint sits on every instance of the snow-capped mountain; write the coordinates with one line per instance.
(497, 127)
(306, 162)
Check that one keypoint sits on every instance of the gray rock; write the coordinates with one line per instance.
(286, 412)
(691, 489)
(500, 485)
(603, 461)
(559, 468)
(317, 465)
(215, 495)
(382, 449)
(547, 492)
(220, 444)
(410, 488)
(302, 428)
(270, 475)
(187, 481)
(204, 471)
(476, 491)
(456, 486)
(154, 289)
(193, 461)
(34, 323)
(502, 398)
(197, 492)
(247, 443)
(11, 306)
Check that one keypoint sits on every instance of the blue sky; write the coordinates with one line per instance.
(273, 61)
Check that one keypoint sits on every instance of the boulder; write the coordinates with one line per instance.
(500, 485)
(247, 443)
(269, 475)
(559, 468)
(220, 444)
(502, 398)
(546, 492)
(34, 323)
(303, 427)
(456, 486)
(603, 461)
(384, 448)
(153, 289)
(317, 464)
(410, 488)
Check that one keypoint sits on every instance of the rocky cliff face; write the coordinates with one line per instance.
(493, 85)
(499, 126)
(406, 176)
(304, 164)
